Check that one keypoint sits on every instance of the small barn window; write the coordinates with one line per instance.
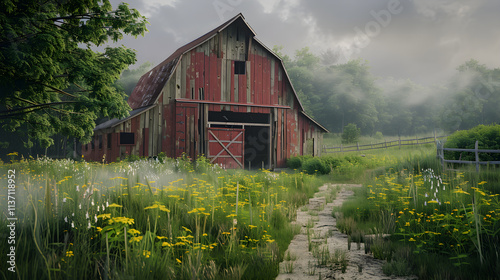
(92, 143)
(110, 138)
(100, 142)
(239, 67)
(127, 138)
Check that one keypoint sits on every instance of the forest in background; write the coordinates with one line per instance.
(339, 94)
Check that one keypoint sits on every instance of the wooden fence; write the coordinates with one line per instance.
(440, 154)
(382, 145)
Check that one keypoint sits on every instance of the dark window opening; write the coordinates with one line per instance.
(100, 142)
(110, 137)
(239, 67)
(92, 143)
(192, 93)
(127, 138)
(86, 147)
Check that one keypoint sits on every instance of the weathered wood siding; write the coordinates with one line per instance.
(207, 73)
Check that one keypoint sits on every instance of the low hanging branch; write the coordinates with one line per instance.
(29, 109)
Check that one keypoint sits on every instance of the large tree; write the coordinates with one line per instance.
(52, 77)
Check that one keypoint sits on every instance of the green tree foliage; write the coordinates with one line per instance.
(51, 78)
(474, 98)
(351, 133)
(488, 137)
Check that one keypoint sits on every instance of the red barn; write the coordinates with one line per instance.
(224, 95)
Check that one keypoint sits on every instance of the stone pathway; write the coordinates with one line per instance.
(319, 226)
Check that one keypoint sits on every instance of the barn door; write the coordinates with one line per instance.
(225, 146)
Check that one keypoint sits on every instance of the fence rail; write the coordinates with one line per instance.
(440, 155)
(382, 145)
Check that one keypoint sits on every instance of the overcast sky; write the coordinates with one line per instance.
(422, 40)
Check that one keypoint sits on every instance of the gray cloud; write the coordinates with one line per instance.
(425, 42)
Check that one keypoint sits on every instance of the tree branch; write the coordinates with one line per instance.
(58, 90)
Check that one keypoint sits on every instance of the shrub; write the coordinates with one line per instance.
(351, 133)
(488, 137)
(315, 166)
(294, 162)
(297, 162)
(333, 162)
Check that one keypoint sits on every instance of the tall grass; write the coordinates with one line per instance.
(449, 218)
(79, 220)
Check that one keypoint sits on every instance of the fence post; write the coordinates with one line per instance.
(357, 144)
(400, 142)
(437, 149)
(341, 149)
(442, 156)
(477, 155)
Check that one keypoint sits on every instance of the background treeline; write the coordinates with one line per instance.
(339, 94)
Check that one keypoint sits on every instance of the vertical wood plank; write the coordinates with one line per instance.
(229, 72)
(272, 73)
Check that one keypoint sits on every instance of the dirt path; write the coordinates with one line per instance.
(316, 218)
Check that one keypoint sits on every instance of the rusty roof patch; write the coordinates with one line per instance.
(150, 84)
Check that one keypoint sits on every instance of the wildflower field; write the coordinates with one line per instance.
(442, 224)
(147, 219)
